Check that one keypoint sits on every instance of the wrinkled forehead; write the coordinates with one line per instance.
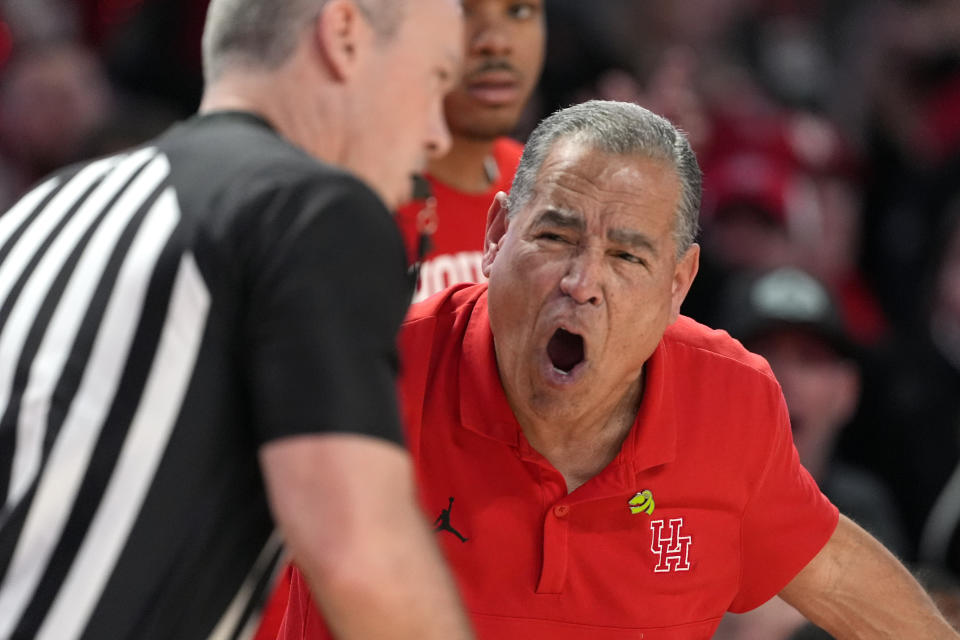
(578, 178)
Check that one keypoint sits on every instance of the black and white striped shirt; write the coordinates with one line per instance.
(163, 313)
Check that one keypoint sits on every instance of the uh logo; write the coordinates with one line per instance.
(671, 547)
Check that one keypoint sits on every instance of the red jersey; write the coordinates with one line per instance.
(457, 243)
(706, 508)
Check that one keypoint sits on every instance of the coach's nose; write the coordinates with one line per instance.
(583, 279)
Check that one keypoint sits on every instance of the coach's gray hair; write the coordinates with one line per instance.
(264, 33)
(617, 128)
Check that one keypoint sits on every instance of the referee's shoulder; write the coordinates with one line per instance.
(287, 173)
(229, 162)
(295, 191)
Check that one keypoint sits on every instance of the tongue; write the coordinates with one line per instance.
(565, 350)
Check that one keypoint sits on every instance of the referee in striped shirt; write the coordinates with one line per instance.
(200, 332)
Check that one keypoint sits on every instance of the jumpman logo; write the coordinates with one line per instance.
(442, 523)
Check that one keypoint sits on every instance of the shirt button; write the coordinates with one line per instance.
(561, 510)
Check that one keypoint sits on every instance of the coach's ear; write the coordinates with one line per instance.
(683, 275)
(340, 35)
(497, 223)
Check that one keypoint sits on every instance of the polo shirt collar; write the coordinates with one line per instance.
(652, 440)
(483, 402)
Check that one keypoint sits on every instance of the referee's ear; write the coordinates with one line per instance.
(340, 34)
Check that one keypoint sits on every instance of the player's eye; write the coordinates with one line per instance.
(523, 10)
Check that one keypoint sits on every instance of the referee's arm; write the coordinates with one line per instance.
(856, 589)
(346, 506)
(329, 294)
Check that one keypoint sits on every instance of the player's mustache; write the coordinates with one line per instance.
(491, 65)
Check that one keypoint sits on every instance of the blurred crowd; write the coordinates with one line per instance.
(829, 136)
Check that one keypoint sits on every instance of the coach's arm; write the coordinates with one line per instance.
(854, 588)
(347, 508)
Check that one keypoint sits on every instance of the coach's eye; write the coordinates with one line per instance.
(629, 257)
(552, 237)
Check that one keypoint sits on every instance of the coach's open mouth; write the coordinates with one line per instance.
(565, 350)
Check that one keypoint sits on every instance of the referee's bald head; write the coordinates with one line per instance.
(264, 33)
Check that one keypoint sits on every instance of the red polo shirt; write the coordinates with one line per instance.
(734, 515)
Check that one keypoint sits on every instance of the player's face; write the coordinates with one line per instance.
(399, 115)
(504, 56)
(585, 280)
